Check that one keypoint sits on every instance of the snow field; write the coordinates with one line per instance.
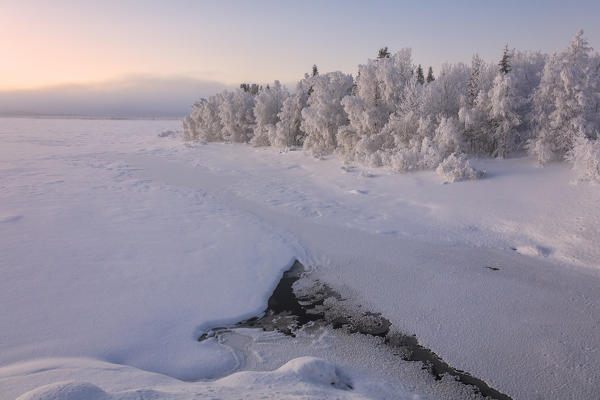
(118, 247)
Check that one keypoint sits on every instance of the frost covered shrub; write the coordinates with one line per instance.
(418, 146)
(431, 156)
(404, 160)
(448, 137)
(419, 154)
(325, 113)
(456, 168)
(585, 157)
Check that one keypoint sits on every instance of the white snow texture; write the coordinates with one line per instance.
(119, 247)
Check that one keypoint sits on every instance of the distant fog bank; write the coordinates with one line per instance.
(132, 97)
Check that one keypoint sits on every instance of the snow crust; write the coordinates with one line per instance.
(118, 247)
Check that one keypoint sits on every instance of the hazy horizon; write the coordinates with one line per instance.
(120, 98)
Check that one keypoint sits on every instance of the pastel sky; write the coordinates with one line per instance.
(54, 46)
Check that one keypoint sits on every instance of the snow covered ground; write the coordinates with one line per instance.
(119, 247)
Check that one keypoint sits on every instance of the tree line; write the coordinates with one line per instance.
(390, 114)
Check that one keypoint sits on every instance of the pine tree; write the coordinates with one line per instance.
(383, 53)
(430, 77)
(420, 76)
(251, 88)
(474, 80)
(315, 70)
(504, 64)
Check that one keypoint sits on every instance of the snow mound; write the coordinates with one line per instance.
(311, 370)
(66, 391)
(534, 250)
(456, 168)
(358, 191)
(168, 133)
(307, 370)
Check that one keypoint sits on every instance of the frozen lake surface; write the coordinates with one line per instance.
(119, 248)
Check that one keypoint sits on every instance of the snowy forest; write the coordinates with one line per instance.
(393, 114)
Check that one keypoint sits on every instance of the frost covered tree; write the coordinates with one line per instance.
(383, 53)
(288, 131)
(497, 107)
(420, 76)
(315, 70)
(391, 115)
(504, 64)
(251, 88)
(430, 77)
(411, 146)
(236, 112)
(204, 122)
(526, 74)
(475, 80)
(566, 102)
(489, 112)
(325, 113)
(379, 91)
(473, 111)
(267, 105)
(420, 127)
(476, 124)
(442, 97)
(504, 119)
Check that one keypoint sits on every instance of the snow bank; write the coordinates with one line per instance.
(300, 378)
(67, 391)
(105, 262)
(308, 370)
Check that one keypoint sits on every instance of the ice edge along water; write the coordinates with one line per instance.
(289, 312)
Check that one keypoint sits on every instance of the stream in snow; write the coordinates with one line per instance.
(316, 307)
